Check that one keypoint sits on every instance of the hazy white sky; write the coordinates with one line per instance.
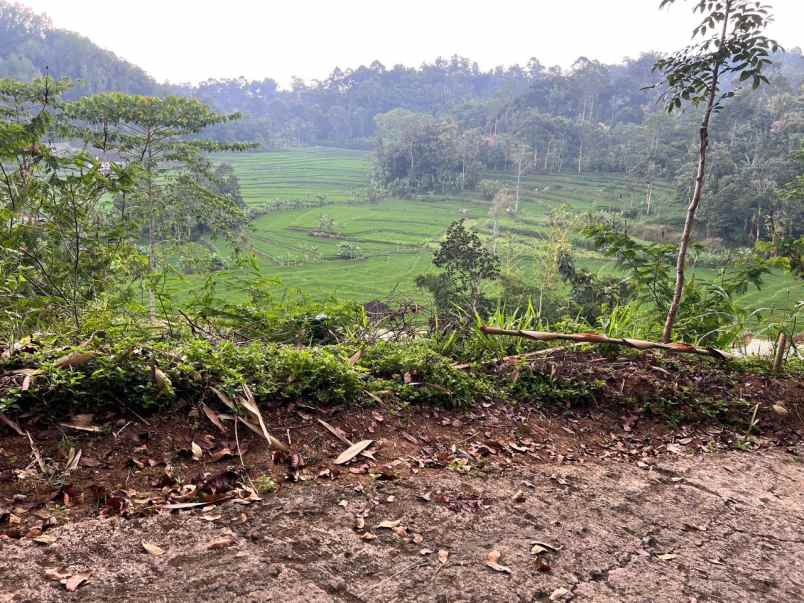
(192, 40)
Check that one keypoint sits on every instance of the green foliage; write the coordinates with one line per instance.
(534, 386)
(348, 251)
(735, 47)
(489, 188)
(415, 373)
(709, 313)
(466, 262)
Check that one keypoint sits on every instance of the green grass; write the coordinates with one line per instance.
(396, 237)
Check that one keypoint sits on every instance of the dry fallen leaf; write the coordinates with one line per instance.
(73, 582)
(197, 451)
(45, 539)
(152, 549)
(418, 538)
(368, 536)
(492, 562)
(388, 524)
(211, 517)
(542, 547)
(220, 543)
(667, 556)
(443, 555)
(353, 450)
(55, 574)
(213, 417)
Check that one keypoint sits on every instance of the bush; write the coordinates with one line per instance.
(416, 373)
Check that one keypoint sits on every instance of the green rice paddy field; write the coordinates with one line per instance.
(396, 237)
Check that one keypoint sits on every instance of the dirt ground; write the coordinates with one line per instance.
(724, 527)
(501, 502)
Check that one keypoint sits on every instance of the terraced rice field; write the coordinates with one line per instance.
(396, 237)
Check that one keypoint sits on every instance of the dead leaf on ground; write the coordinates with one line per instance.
(152, 549)
(45, 539)
(74, 359)
(492, 560)
(73, 582)
(213, 417)
(11, 424)
(220, 543)
(353, 450)
(368, 536)
(56, 574)
(197, 451)
(543, 547)
(443, 555)
(667, 556)
(389, 524)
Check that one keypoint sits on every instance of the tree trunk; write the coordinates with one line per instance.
(580, 157)
(667, 332)
(518, 179)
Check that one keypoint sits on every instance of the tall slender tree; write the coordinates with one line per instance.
(729, 48)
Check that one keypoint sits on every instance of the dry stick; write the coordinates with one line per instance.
(781, 345)
(639, 344)
(36, 453)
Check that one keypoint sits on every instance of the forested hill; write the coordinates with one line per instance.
(30, 45)
(340, 109)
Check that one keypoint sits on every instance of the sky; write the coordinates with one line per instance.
(193, 40)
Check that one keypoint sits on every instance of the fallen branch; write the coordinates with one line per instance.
(639, 344)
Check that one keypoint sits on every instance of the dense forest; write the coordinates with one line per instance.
(436, 127)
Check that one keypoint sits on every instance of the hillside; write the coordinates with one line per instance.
(30, 46)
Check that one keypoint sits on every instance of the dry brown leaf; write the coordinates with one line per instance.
(213, 417)
(356, 358)
(338, 433)
(667, 556)
(418, 538)
(73, 582)
(197, 451)
(11, 424)
(542, 547)
(389, 524)
(74, 359)
(353, 450)
(443, 555)
(492, 560)
(45, 539)
(220, 543)
(161, 380)
(368, 536)
(152, 549)
(56, 574)
(211, 517)
(223, 452)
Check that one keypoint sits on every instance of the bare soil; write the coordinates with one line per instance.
(620, 504)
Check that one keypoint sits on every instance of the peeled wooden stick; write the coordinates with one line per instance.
(778, 360)
(639, 344)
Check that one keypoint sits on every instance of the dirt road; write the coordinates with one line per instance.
(717, 527)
